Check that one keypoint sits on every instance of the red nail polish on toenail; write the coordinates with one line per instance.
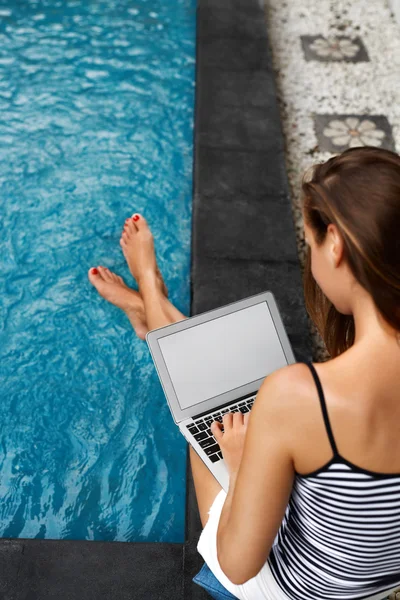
(95, 272)
(136, 218)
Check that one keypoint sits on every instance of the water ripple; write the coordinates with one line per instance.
(97, 116)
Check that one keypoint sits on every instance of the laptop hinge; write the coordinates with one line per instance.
(223, 405)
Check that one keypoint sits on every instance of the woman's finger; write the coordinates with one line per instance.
(227, 420)
(216, 430)
(237, 419)
(246, 420)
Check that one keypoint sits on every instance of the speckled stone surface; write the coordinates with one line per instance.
(337, 88)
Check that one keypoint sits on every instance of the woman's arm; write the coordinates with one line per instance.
(260, 488)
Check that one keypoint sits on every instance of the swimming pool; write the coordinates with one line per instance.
(97, 103)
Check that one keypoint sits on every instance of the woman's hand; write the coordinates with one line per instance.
(231, 440)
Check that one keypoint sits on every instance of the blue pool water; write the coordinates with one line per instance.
(96, 100)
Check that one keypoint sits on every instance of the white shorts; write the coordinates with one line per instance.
(261, 587)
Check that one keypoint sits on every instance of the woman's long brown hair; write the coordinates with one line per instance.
(358, 191)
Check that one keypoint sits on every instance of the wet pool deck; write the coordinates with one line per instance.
(243, 243)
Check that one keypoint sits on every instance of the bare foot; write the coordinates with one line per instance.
(138, 248)
(112, 287)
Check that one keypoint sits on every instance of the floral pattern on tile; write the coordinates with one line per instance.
(336, 133)
(333, 49)
(354, 132)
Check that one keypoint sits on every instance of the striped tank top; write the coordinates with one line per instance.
(340, 536)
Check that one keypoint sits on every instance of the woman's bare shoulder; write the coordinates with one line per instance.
(289, 398)
(288, 382)
(289, 391)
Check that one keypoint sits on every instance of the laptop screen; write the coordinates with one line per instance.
(225, 353)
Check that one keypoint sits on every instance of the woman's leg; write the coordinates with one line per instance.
(146, 310)
(138, 248)
(206, 486)
(113, 288)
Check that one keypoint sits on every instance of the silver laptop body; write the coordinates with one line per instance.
(215, 362)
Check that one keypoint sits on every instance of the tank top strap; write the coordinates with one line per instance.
(323, 407)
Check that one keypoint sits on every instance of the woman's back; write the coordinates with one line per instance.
(362, 394)
(340, 537)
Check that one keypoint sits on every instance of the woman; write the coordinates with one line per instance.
(313, 507)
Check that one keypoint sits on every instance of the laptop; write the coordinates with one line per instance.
(214, 363)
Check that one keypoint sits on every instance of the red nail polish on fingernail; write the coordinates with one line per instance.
(136, 218)
(95, 272)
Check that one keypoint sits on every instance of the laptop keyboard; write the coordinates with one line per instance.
(200, 428)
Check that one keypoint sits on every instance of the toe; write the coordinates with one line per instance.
(129, 227)
(115, 277)
(129, 230)
(105, 273)
(139, 221)
(94, 276)
(125, 237)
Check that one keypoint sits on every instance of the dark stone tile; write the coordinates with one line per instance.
(217, 282)
(100, 571)
(243, 89)
(238, 128)
(230, 21)
(234, 54)
(245, 227)
(10, 560)
(225, 173)
(335, 133)
(249, 5)
(339, 49)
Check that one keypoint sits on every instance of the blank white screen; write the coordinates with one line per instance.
(228, 352)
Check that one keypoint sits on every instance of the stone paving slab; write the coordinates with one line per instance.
(239, 22)
(223, 172)
(245, 232)
(69, 570)
(11, 555)
(228, 53)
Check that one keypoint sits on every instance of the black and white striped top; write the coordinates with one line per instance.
(340, 537)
